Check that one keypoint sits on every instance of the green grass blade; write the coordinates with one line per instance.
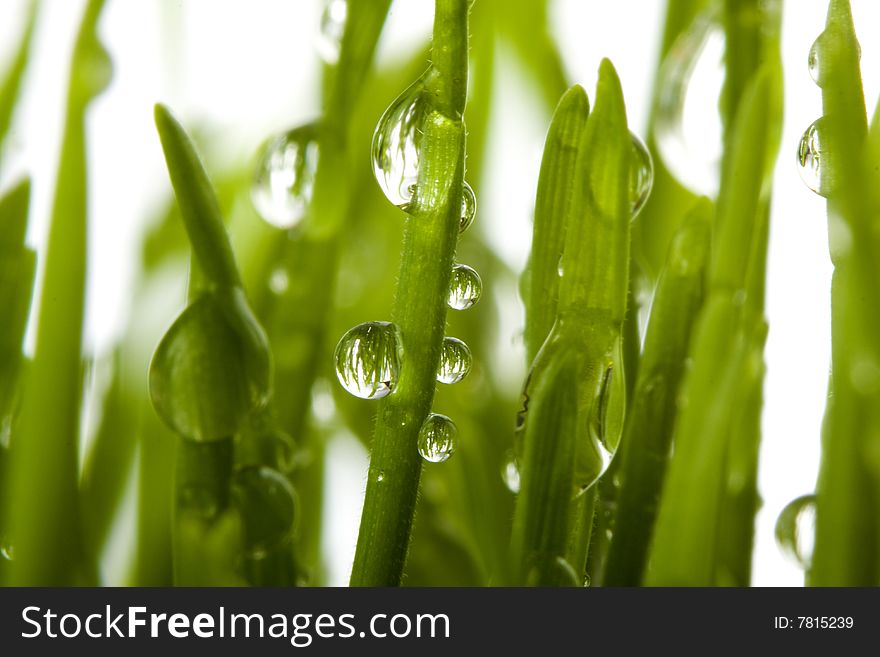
(650, 421)
(846, 545)
(726, 350)
(10, 86)
(557, 189)
(430, 236)
(44, 483)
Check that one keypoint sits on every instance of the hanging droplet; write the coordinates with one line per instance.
(510, 471)
(688, 129)
(279, 281)
(7, 551)
(285, 177)
(368, 359)
(465, 287)
(437, 438)
(333, 21)
(814, 59)
(468, 208)
(810, 157)
(641, 175)
(599, 415)
(396, 148)
(265, 500)
(796, 530)
(455, 361)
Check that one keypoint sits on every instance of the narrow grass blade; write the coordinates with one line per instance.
(847, 541)
(44, 483)
(10, 85)
(430, 236)
(557, 189)
(650, 421)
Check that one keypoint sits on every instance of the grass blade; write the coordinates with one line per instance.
(44, 483)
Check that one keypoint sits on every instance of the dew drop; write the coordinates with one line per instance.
(465, 287)
(468, 208)
(279, 281)
(333, 21)
(641, 176)
(557, 572)
(266, 502)
(814, 59)
(510, 472)
(688, 129)
(380, 476)
(810, 157)
(368, 359)
(437, 438)
(796, 530)
(285, 177)
(560, 266)
(396, 148)
(455, 361)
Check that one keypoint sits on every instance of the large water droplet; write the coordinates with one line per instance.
(688, 129)
(333, 21)
(285, 177)
(265, 500)
(810, 158)
(455, 361)
(796, 529)
(465, 287)
(396, 148)
(510, 471)
(437, 438)
(641, 175)
(468, 208)
(368, 359)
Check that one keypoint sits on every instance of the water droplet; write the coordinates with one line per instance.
(641, 175)
(396, 148)
(557, 572)
(279, 281)
(814, 59)
(810, 158)
(465, 287)
(7, 551)
(455, 361)
(368, 359)
(265, 500)
(510, 472)
(796, 529)
(560, 266)
(285, 177)
(468, 208)
(588, 581)
(437, 438)
(333, 21)
(688, 129)
(380, 476)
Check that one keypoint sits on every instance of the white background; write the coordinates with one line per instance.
(250, 68)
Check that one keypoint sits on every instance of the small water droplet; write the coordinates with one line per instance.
(560, 266)
(279, 281)
(380, 476)
(285, 177)
(266, 502)
(396, 148)
(641, 175)
(557, 572)
(333, 21)
(468, 208)
(688, 129)
(437, 438)
(368, 359)
(455, 361)
(814, 59)
(7, 551)
(588, 581)
(810, 158)
(465, 287)
(796, 530)
(510, 471)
